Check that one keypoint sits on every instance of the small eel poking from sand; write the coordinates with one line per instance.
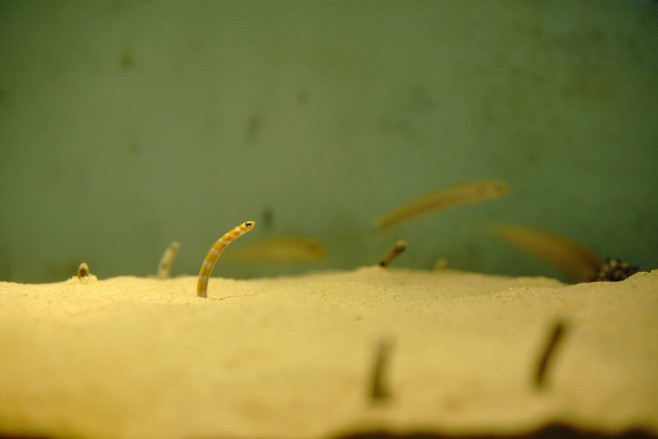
(215, 251)
(83, 270)
(393, 253)
(453, 196)
(164, 267)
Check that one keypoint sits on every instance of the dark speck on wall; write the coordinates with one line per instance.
(302, 98)
(410, 107)
(267, 218)
(195, 46)
(126, 60)
(252, 131)
(420, 100)
(134, 148)
(5, 267)
(534, 157)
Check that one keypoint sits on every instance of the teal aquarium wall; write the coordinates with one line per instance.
(125, 125)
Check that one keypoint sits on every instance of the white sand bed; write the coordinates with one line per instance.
(293, 357)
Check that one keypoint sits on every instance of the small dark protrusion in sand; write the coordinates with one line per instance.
(548, 353)
(83, 270)
(614, 270)
(441, 264)
(378, 390)
(393, 253)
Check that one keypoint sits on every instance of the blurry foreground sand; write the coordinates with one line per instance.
(292, 357)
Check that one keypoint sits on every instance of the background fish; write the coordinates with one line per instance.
(280, 250)
(452, 196)
(575, 261)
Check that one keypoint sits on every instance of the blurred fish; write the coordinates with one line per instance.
(465, 193)
(572, 259)
(280, 250)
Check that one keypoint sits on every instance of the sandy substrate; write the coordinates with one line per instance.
(293, 357)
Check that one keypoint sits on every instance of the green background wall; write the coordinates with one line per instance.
(127, 125)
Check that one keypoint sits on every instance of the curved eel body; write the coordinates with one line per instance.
(215, 251)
